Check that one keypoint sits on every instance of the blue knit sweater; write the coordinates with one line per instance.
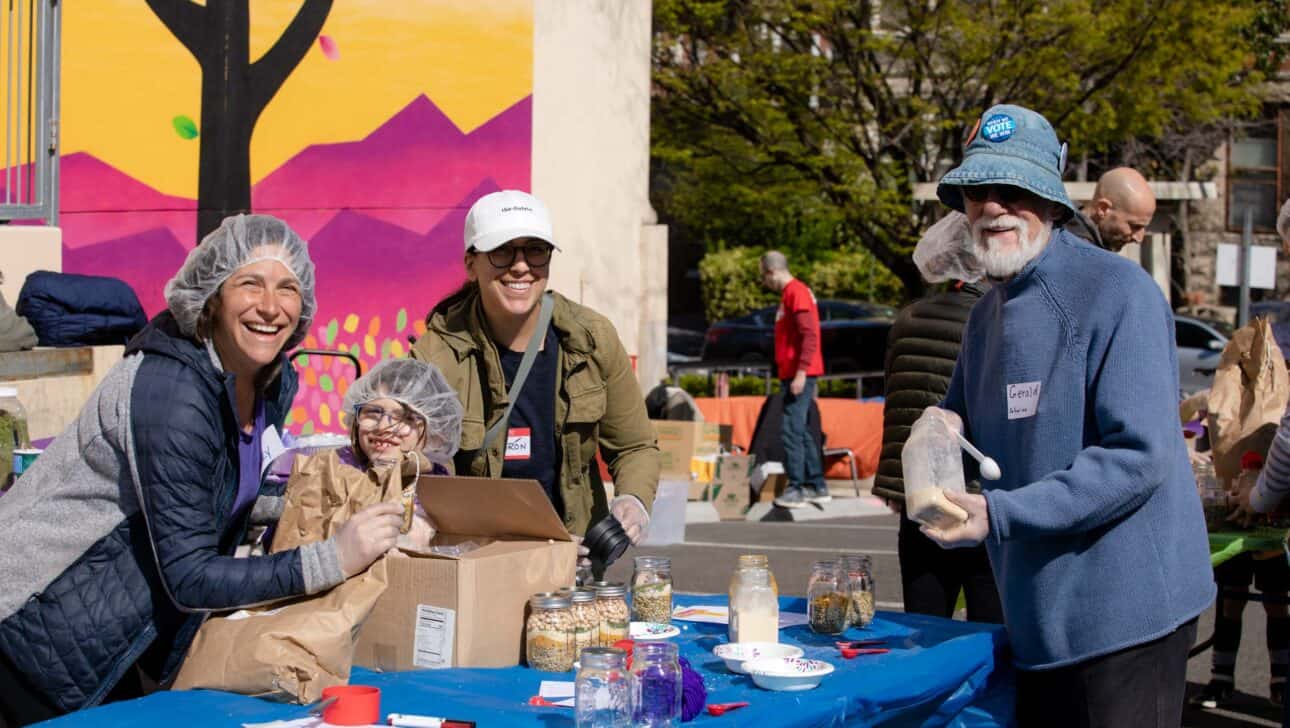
(1068, 377)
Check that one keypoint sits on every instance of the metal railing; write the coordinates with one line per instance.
(30, 33)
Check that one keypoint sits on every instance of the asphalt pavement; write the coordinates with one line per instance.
(704, 562)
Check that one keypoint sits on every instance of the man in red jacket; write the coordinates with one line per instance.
(799, 362)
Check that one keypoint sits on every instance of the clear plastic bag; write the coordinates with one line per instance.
(945, 253)
(933, 463)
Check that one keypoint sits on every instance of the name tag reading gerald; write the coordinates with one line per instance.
(1023, 399)
(519, 443)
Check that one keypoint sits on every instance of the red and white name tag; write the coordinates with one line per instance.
(519, 443)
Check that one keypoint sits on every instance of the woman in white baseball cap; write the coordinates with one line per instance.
(576, 392)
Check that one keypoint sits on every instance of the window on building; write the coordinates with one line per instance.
(1254, 174)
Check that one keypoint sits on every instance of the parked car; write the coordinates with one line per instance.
(853, 337)
(683, 345)
(1200, 345)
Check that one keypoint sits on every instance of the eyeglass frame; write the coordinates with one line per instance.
(514, 250)
(404, 427)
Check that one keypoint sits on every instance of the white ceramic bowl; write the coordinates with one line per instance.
(787, 673)
(736, 654)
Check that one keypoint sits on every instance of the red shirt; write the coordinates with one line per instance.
(790, 335)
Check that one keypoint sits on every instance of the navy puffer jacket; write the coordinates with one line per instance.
(119, 538)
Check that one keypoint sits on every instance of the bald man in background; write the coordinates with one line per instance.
(1119, 213)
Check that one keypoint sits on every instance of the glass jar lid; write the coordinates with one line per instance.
(582, 595)
(609, 589)
(549, 600)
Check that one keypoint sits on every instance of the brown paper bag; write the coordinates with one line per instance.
(1247, 399)
(294, 649)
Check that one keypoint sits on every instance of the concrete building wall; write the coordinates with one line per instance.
(591, 99)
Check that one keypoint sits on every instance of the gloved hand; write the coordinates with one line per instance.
(422, 531)
(368, 534)
(584, 553)
(632, 515)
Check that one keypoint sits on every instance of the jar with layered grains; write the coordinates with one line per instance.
(549, 633)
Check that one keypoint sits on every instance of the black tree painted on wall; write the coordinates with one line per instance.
(234, 90)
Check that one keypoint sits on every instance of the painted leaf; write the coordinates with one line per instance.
(332, 326)
(328, 47)
(184, 127)
(401, 322)
(326, 384)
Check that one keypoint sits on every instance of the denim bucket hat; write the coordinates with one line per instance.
(1010, 145)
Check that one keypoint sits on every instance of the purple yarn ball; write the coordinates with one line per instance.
(693, 693)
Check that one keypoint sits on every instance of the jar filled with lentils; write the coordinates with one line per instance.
(549, 633)
(652, 589)
(586, 620)
(611, 606)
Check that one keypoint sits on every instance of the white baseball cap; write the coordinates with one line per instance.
(500, 217)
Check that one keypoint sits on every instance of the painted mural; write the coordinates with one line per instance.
(370, 126)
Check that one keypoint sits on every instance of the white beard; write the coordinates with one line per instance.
(1007, 263)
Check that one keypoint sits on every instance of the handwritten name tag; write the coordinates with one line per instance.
(519, 443)
(1023, 399)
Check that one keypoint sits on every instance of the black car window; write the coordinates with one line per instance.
(1191, 336)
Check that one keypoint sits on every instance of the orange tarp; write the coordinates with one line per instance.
(847, 423)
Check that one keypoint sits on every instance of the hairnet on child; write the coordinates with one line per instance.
(240, 240)
(422, 388)
(945, 252)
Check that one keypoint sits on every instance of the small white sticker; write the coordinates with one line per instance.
(519, 443)
(270, 448)
(1023, 399)
(432, 644)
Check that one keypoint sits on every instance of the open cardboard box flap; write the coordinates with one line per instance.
(495, 508)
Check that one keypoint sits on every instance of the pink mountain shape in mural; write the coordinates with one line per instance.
(89, 184)
(122, 258)
(415, 159)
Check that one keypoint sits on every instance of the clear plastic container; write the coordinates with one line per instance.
(652, 589)
(754, 601)
(932, 463)
(615, 618)
(548, 633)
(602, 692)
(656, 685)
(828, 598)
(13, 432)
(860, 584)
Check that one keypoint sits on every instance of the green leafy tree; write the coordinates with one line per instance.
(805, 124)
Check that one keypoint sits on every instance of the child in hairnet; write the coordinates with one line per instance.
(403, 414)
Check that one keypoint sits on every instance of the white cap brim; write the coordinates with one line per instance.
(498, 238)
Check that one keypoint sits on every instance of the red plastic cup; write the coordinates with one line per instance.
(355, 705)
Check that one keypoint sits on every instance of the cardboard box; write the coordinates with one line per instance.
(772, 488)
(469, 610)
(731, 492)
(680, 441)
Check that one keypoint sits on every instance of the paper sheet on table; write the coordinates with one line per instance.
(559, 692)
(720, 614)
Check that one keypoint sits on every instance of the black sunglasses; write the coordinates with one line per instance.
(1005, 194)
(535, 254)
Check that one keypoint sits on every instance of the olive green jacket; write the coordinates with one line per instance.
(598, 402)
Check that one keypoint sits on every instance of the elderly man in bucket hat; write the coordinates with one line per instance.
(1068, 378)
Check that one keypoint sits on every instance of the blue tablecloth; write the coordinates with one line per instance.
(939, 673)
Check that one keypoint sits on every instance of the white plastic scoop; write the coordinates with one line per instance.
(989, 468)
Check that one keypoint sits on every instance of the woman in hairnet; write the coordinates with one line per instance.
(120, 537)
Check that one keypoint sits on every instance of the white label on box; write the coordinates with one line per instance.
(432, 646)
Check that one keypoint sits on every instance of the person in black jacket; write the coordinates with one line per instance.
(121, 537)
(921, 350)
